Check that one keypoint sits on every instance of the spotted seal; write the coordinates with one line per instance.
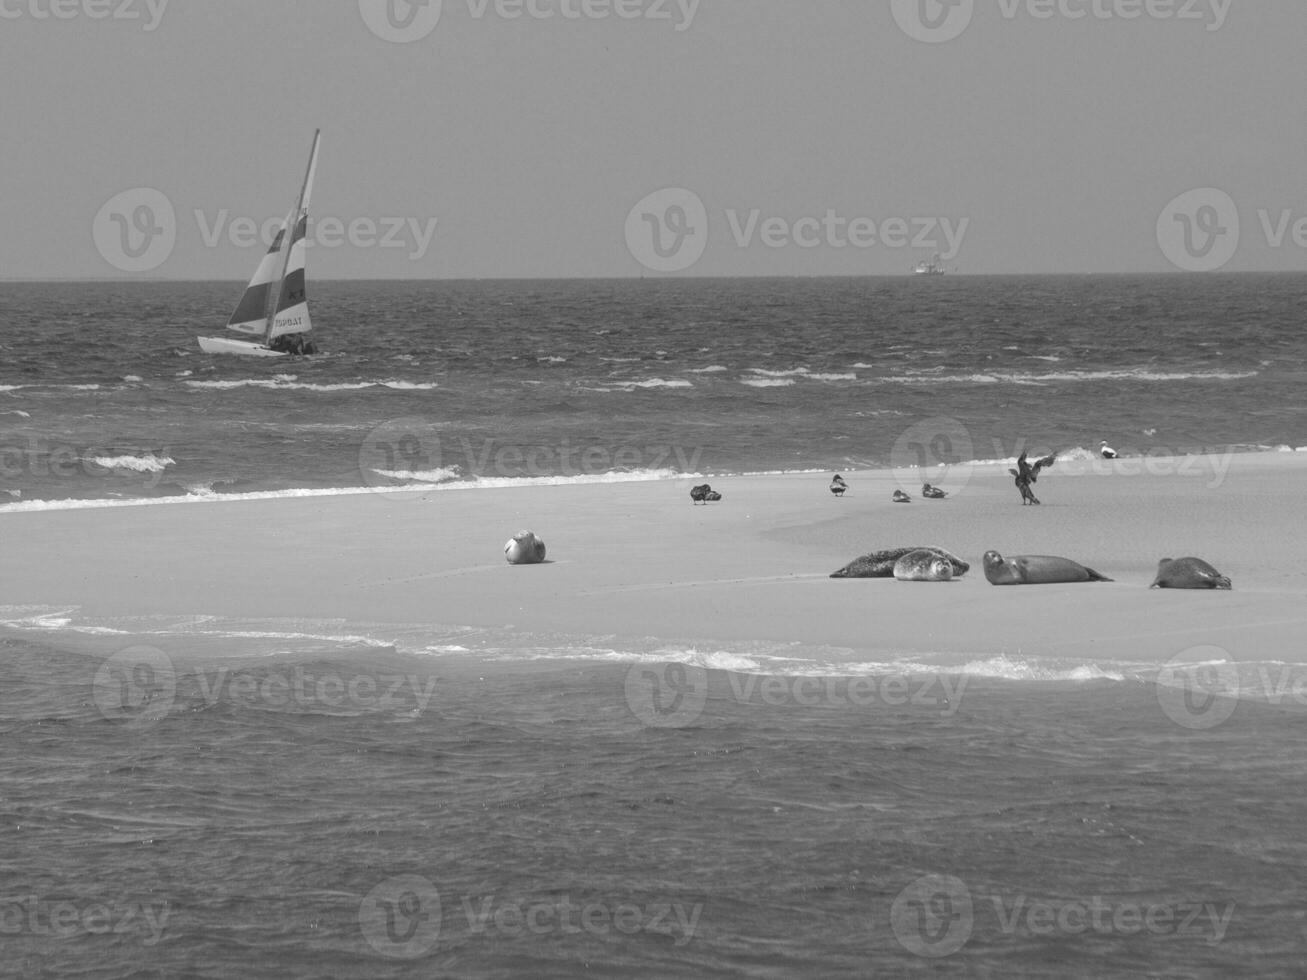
(1036, 570)
(880, 564)
(1188, 573)
(923, 565)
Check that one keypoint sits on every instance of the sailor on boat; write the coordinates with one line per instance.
(293, 343)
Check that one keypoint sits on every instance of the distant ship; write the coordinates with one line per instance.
(931, 268)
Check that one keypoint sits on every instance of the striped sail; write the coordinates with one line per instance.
(274, 303)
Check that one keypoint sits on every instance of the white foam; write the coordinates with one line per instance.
(1004, 668)
(148, 463)
(649, 383)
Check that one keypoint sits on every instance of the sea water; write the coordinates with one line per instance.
(289, 798)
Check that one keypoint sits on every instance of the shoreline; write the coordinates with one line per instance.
(638, 560)
(1079, 462)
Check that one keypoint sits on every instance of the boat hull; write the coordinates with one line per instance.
(226, 345)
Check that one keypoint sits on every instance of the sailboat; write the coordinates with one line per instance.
(274, 306)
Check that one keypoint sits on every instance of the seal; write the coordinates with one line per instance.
(1188, 573)
(838, 486)
(880, 564)
(1036, 570)
(923, 565)
(901, 498)
(524, 548)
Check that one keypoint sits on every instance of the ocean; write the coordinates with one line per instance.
(286, 798)
(104, 393)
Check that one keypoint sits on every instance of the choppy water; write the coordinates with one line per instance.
(292, 798)
(104, 393)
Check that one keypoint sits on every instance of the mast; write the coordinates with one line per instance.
(288, 239)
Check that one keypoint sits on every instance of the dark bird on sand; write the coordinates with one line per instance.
(934, 493)
(901, 498)
(1027, 474)
(838, 486)
(703, 493)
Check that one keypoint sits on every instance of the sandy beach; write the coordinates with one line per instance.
(640, 560)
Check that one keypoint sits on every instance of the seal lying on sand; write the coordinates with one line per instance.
(1188, 573)
(1036, 570)
(923, 565)
(524, 549)
(880, 564)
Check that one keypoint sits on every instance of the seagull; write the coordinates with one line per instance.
(934, 493)
(901, 498)
(838, 486)
(1106, 451)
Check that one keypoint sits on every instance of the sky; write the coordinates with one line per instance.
(623, 138)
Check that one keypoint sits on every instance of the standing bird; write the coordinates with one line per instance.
(838, 486)
(1027, 474)
(1106, 451)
